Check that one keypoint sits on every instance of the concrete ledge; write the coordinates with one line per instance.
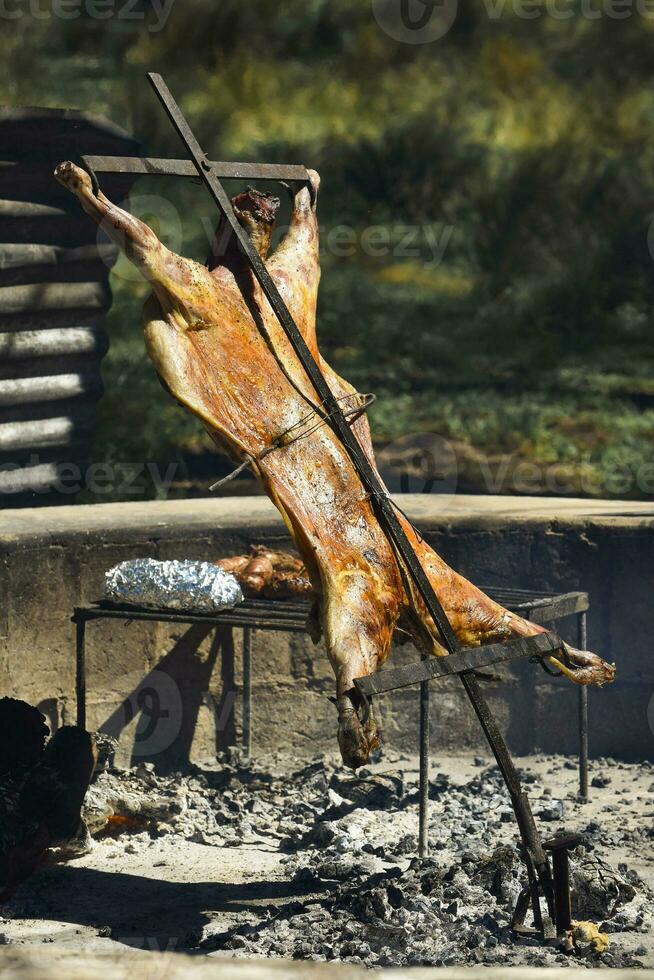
(425, 509)
(52, 559)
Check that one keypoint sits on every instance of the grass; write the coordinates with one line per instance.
(448, 368)
(516, 154)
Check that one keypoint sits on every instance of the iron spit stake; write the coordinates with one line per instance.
(583, 715)
(559, 847)
(423, 836)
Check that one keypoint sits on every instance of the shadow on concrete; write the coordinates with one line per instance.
(168, 699)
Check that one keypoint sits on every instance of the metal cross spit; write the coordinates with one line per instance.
(461, 662)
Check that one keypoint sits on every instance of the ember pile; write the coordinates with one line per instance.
(349, 850)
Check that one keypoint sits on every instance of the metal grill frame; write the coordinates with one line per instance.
(290, 616)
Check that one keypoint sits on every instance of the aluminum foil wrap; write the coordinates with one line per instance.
(187, 586)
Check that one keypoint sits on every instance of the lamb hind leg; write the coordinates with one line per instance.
(477, 619)
(358, 639)
(358, 732)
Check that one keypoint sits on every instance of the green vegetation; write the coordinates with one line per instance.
(507, 170)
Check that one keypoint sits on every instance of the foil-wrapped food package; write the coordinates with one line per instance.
(186, 586)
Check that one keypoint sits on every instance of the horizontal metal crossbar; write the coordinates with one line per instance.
(539, 607)
(475, 658)
(159, 167)
(549, 610)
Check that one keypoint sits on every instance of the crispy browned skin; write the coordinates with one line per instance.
(221, 352)
(269, 574)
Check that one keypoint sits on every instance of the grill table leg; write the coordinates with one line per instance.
(80, 672)
(247, 691)
(423, 837)
(583, 715)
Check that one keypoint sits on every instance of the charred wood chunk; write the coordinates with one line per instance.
(42, 788)
(23, 733)
(54, 789)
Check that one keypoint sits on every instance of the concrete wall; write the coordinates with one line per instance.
(53, 559)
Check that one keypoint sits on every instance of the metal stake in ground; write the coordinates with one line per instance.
(583, 715)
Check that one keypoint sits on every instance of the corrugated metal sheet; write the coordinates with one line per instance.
(54, 294)
(49, 388)
(28, 346)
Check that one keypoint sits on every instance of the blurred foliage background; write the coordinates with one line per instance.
(486, 211)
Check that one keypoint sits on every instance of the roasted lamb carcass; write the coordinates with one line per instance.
(220, 351)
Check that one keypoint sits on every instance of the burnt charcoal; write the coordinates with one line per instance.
(598, 891)
(552, 812)
(373, 793)
(106, 747)
(369, 900)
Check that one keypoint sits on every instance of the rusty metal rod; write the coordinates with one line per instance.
(535, 852)
(423, 835)
(583, 715)
(559, 847)
(80, 671)
(160, 167)
(247, 691)
(466, 659)
(562, 890)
